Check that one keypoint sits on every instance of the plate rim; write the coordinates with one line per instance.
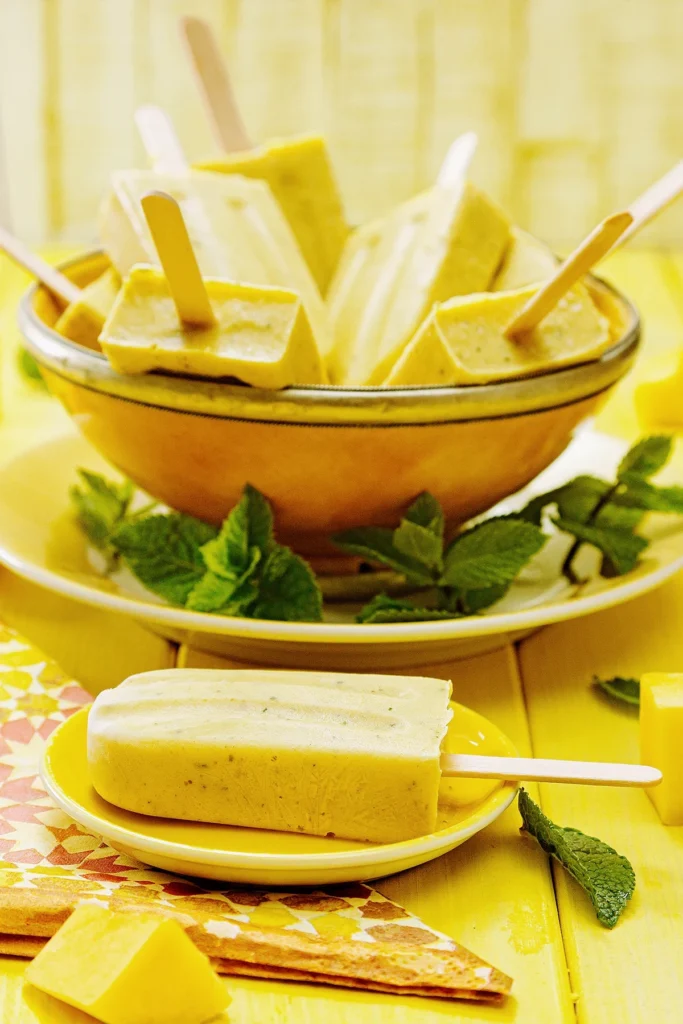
(382, 854)
(317, 633)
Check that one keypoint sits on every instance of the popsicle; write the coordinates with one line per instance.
(176, 321)
(83, 319)
(297, 169)
(448, 241)
(236, 227)
(354, 756)
(526, 261)
(661, 728)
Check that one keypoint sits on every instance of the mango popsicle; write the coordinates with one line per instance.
(261, 335)
(463, 341)
(323, 753)
(237, 230)
(298, 169)
(526, 261)
(445, 242)
(82, 321)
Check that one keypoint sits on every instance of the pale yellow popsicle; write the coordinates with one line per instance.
(237, 230)
(445, 242)
(261, 336)
(526, 261)
(300, 174)
(83, 320)
(463, 340)
(356, 756)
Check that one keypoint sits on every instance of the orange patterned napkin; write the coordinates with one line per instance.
(351, 935)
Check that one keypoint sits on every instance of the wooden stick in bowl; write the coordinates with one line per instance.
(537, 769)
(653, 201)
(53, 279)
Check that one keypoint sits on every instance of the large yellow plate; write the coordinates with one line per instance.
(259, 857)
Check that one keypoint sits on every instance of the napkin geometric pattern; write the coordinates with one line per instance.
(350, 935)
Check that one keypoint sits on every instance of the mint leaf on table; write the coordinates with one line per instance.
(287, 589)
(100, 506)
(621, 549)
(620, 688)
(646, 457)
(165, 552)
(491, 554)
(604, 874)
(383, 608)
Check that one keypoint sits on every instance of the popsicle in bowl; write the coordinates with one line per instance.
(355, 756)
(298, 169)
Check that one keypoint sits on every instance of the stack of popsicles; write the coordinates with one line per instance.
(433, 293)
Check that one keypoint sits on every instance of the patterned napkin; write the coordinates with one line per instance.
(351, 935)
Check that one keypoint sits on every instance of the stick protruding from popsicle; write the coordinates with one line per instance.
(538, 769)
(160, 140)
(654, 200)
(214, 82)
(178, 259)
(585, 256)
(456, 163)
(53, 279)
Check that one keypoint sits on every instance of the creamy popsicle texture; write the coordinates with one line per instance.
(442, 243)
(355, 756)
(463, 341)
(82, 321)
(237, 231)
(300, 174)
(526, 261)
(261, 335)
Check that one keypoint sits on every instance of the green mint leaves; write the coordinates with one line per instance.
(469, 574)
(620, 688)
(606, 514)
(606, 876)
(237, 570)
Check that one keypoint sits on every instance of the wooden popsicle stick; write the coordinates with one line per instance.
(214, 82)
(537, 769)
(585, 256)
(457, 161)
(160, 140)
(48, 275)
(177, 257)
(653, 200)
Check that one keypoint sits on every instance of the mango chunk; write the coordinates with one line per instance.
(660, 402)
(661, 739)
(82, 321)
(127, 968)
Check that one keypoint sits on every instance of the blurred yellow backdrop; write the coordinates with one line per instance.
(578, 103)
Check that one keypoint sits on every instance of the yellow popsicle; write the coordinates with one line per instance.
(352, 755)
(83, 320)
(261, 335)
(128, 968)
(237, 231)
(661, 737)
(463, 341)
(526, 261)
(445, 242)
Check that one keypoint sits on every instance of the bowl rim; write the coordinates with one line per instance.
(330, 405)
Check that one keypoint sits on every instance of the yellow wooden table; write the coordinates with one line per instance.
(496, 893)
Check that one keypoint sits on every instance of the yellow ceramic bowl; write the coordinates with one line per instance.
(259, 857)
(328, 458)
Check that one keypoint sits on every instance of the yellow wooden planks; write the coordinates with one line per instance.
(493, 894)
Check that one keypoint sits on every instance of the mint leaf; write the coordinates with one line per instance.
(473, 601)
(100, 506)
(420, 544)
(383, 608)
(606, 876)
(376, 543)
(646, 496)
(620, 688)
(646, 457)
(29, 369)
(228, 597)
(248, 528)
(426, 511)
(620, 548)
(287, 589)
(164, 552)
(490, 554)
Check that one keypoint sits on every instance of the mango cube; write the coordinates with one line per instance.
(128, 968)
(262, 335)
(660, 402)
(661, 740)
(82, 321)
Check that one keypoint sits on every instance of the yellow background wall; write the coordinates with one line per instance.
(578, 103)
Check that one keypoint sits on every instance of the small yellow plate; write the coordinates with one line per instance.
(258, 857)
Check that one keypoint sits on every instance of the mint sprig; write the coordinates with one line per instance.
(604, 874)
(164, 552)
(101, 506)
(621, 688)
(472, 572)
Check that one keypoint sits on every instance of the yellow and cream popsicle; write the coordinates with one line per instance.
(298, 169)
(526, 261)
(237, 230)
(445, 242)
(355, 756)
(83, 320)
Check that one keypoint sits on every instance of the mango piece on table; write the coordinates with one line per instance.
(128, 968)
(661, 740)
(660, 402)
(463, 341)
(83, 321)
(262, 335)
